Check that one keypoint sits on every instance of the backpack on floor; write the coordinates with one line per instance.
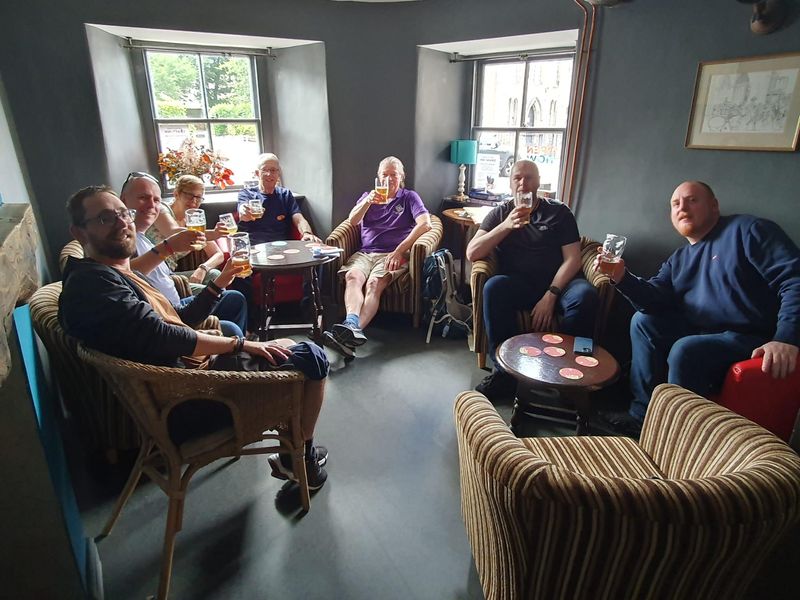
(444, 306)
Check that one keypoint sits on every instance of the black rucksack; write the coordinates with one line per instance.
(444, 307)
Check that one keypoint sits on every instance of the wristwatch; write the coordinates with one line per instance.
(556, 291)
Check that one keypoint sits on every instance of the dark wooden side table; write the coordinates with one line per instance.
(466, 218)
(291, 256)
(541, 361)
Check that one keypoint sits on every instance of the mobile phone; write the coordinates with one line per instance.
(583, 346)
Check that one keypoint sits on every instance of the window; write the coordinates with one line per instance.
(209, 97)
(537, 90)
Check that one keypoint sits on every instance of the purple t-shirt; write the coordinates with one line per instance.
(384, 226)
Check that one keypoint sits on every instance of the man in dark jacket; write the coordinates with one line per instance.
(111, 308)
(731, 294)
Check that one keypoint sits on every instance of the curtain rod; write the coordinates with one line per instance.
(521, 54)
(132, 44)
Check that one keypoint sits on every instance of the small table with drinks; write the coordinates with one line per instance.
(291, 256)
(547, 361)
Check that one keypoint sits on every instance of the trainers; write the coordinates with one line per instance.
(281, 465)
(497, 385)
(617, 422)
(348, 335)
(330, 341)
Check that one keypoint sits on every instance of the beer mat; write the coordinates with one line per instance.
(552, 339)
(530, 351)
(277, 243)
(570, 373)
(587, 361)
(554, 351)
(314, 245)
(291, 251)
(276, 257)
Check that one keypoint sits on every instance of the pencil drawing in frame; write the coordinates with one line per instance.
(746, 104)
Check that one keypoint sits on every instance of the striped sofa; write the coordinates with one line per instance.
(692, 511)
(402, 296)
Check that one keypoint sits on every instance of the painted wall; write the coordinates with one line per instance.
(645, 61)
(12, 181)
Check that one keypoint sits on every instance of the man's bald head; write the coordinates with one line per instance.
(525, 177)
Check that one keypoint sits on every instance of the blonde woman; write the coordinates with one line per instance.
(189, 193)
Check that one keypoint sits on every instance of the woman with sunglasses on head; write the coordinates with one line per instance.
(189, 192)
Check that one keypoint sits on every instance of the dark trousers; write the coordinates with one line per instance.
(667, 349)
(504, 295)
(231, 310)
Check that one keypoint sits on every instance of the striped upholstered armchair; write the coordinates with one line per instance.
(403, 296)
(692, 511)
(482, 270)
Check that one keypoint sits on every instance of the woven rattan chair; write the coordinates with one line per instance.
(258, 402)
(482, 270)
(394, 298)
(692, 511)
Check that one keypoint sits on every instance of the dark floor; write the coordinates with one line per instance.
(386, 525)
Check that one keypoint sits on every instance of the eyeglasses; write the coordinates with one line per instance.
(199, 199)
(269, 171)
(139, 175)
(109, 217)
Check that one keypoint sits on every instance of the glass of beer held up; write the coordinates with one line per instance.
(381, 190)
(256, 208)
(524, 200)
(612, 252)
(229, 223)
(196, 221)
(240, 252)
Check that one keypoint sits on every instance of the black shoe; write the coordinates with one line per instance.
(348, 335)
(331, 342)
(281, 465)
(498, 385)
(617, 422)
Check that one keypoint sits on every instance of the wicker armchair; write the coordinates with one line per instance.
(692, 511)
(482, 270)
(393, 299)
(258, 402)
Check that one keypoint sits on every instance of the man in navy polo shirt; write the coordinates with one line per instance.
(539, 250)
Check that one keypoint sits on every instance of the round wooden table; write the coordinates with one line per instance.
(539, 361)
(466, 218)
(291, 256)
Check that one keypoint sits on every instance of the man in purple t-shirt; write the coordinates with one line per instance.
(388, 230)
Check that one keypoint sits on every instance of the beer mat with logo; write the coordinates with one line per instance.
(551, 338)
(570, 373)
(554, 351)
(587, 361)
(530, 351)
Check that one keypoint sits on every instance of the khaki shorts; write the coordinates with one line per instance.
(373, 265)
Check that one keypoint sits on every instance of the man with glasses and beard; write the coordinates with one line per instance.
(112, 308)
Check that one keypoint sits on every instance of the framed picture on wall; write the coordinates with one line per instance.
(746, 104)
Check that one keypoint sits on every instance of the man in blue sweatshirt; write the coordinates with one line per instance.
(731, 294)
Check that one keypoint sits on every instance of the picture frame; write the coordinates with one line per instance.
(746, 104)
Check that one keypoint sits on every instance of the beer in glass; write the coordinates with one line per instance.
(613, 247)
(381, 190)
(524, 200)
(240, 252)
(196, 221)
(256, 208)
(229, 223)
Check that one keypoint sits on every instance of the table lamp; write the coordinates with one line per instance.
(463, 153)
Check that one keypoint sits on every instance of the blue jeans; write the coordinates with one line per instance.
(667, 349)
(504, 295)
(231, 310)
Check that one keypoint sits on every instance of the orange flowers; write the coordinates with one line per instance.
(191, 159)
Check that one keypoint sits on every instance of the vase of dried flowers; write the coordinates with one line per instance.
(192, 159)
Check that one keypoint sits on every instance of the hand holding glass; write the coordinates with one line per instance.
(381, 190)
(524, 200)
(256, 208)
(240, 252)
(229, 223)
(612, 252)
(196, 221)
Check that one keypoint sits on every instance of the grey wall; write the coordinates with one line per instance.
(646, 54)
(300, 127)
(442, 115)
(646, 60)
(122, 127)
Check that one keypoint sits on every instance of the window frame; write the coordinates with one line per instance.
(477, 102)
(146, 93)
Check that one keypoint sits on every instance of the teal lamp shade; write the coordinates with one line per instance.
(464, 152)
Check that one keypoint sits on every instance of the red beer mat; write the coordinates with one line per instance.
(551, 338)
(570, 373)
(530, 351)
(587, 361)
(554, 351)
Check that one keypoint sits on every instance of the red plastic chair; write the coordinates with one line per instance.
(772, 403)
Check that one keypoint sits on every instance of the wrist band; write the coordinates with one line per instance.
(214, 287)
(556, 291)
(238, 344)
(168, 247)
(203, 267)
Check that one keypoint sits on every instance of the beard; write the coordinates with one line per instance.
(115, 247)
